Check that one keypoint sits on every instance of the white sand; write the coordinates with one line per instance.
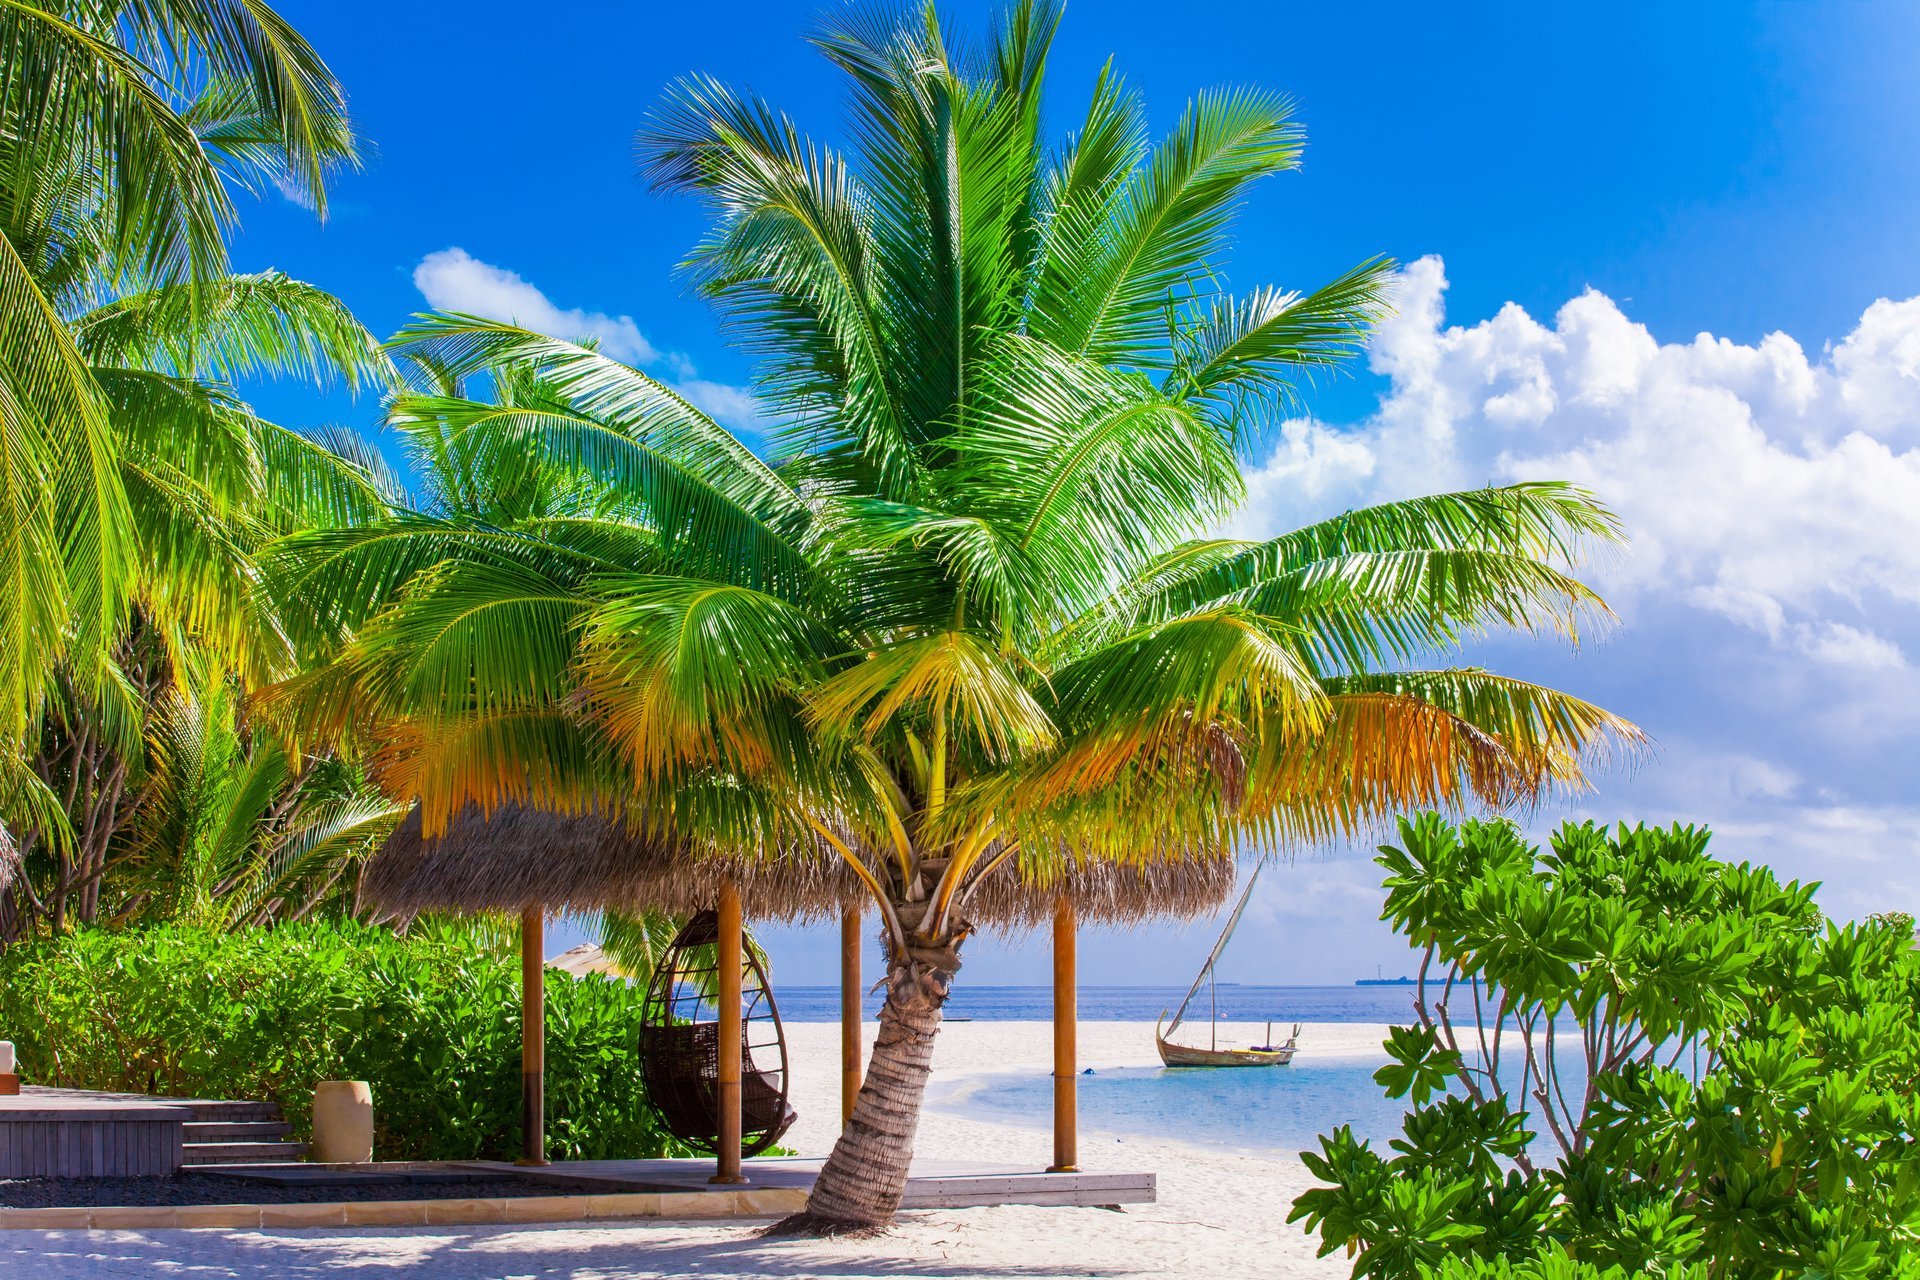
(1220, 1213)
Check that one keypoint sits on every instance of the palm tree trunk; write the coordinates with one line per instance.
(861, 1184)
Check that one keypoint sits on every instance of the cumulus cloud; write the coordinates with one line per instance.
(1773, 498)
(1757, 482)
(731, 406)
(454, 280)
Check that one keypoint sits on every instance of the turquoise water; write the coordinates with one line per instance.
(1270, 1111)
(1273, 1111)
(1284, 1005)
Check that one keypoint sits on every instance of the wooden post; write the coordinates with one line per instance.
(849, 1011)
(730, 959)
(1066, 1101)
(533, 1036)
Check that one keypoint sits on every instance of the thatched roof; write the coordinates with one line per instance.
(517, 857)
(1107, 893)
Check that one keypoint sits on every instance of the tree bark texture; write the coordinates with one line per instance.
(862, 1182)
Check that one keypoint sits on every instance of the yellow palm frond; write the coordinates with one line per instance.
(952, 675)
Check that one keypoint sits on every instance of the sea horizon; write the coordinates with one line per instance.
(1238, 1002)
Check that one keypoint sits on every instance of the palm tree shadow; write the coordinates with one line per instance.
(608, 1251)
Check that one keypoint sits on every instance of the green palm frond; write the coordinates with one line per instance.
(687, 670)
(792, 265)
(1087, 473)
(474, 636)
(236, 328)
(1545, 521)
(1257, 345)
(64, 523)
(1166, 229)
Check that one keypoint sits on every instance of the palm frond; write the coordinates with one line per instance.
(236, 328)
(1166, 230)
(949, 675)
(1258, 345)
(690, 673)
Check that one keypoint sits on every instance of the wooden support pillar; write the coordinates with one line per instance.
(1066, 1086)
(533, 1036)
(730, 955)
(849, 1011)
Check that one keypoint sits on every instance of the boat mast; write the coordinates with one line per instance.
(1206, 970)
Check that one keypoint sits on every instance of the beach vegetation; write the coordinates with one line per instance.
(959, 603)
(137, 483)
(1631, 1053)
(430, 1020)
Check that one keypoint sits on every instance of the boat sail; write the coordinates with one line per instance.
(1180, 1055)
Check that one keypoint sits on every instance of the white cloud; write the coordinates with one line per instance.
(728, 405)
(1850, 647)
(1769, 597)
(455, 280)
(1756, 483)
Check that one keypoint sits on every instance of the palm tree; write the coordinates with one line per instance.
(971, 616)
(122, 128)
(233, 829)
(204, 482)
(134, 481)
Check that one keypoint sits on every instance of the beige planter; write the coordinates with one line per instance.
(342, 1122)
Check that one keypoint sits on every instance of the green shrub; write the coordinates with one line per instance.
(1669, 1065)
(431, 1022)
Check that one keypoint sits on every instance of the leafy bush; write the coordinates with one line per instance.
(1631, 1055)
(431, 1021)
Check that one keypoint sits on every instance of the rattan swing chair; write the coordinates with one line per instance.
(680, 1045)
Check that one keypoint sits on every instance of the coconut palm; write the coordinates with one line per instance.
(205, 482)
(971, 615)
(232, 828)
(122, 129)
(133, 479)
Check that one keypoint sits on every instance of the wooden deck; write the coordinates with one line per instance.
(931, 1184)
(43, 1136)
(69, 1133)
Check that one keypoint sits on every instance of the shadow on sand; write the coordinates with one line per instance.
(633, 1251)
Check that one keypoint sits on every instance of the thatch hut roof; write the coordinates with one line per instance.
(518, 857)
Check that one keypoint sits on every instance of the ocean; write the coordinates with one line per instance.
(1268, 1111)
(1283, 1005)
(1275, 1111)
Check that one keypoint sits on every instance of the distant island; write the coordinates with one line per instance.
(1404, 981)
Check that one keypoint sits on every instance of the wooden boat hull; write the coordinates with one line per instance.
(1181, 1055)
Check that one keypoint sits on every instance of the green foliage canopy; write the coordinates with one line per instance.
(1631, 1054)
(430, 1020)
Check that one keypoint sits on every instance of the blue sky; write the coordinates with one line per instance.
(1663, 250)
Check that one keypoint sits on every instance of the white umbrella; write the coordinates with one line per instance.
(584, 959)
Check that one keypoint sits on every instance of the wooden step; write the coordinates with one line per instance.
(218, 1111)
(241, 1152)
(195, 1131)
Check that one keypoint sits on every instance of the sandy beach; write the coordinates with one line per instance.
(1220, 1213)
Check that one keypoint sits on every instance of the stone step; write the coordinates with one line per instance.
(235, 1131)
(194, 1153)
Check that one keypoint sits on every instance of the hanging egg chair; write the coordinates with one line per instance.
(680, 1045)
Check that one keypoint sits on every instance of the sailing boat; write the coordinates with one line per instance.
(1180, 1055)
